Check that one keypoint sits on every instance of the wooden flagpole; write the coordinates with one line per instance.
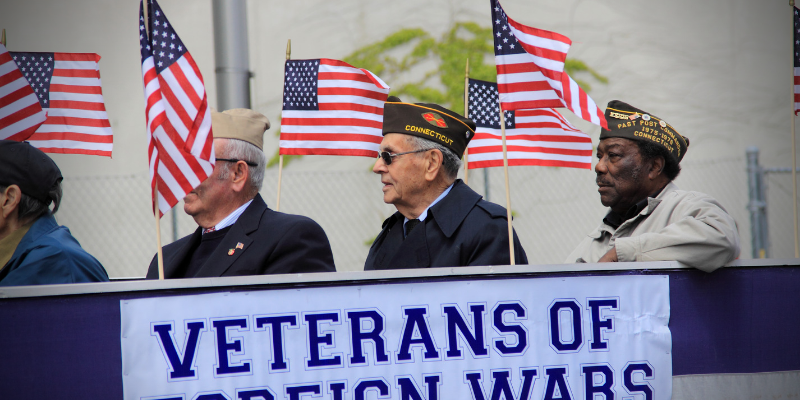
(156, 211)
(159, 253)
(3, 38)
(508, 192)
(794, 150)
(280, 158)
(466, 114)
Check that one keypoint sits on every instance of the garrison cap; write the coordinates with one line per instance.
(629, 122)
(428, 121)
(240, 123)
(34, 172)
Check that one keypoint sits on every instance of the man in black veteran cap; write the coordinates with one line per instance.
(34, 250)
(650, 218)
(237, 233)
(440, 221)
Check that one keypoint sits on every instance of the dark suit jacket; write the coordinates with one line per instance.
(461, 229)
(273, 243)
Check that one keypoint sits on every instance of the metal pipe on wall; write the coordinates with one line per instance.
(231, 54)
(757, 205)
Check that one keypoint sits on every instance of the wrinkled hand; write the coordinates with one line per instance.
(611, 256)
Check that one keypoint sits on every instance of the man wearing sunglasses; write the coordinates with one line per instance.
(237, 233)
(440, 221)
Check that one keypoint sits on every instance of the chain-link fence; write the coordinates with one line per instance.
(553, 209)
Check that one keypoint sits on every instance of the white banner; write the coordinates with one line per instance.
(534, 338)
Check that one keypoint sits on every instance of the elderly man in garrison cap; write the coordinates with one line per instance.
(237, 233)
(650, 218)
(34, 249)
(440, 221)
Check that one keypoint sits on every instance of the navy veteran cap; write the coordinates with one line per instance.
(428, 121)
(629, 122)
(29, 168)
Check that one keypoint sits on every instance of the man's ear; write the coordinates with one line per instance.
(239, 176)
(10, 203)
(433, 163)
(656, 167)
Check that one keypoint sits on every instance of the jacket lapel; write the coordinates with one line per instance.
(222, 258)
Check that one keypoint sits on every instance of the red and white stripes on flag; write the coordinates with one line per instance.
(20, 111)
(530, 69)
(180, 142)
(796, 58)
(68, 85)
(331, 108)
(533, 137)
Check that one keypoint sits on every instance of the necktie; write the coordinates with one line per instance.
(209, 230)
(410, 225)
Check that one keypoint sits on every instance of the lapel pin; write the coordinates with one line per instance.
(240, 245)
(231, 251)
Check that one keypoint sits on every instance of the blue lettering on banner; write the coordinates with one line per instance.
(557, 384)
(224, 347)
(212, 396)
(416, 322)
(180, 366)
(596, 306)
(315, 340)
(337, 390)
(602, 387)
(276, 326)
(456, 323)
(255, 394)
(501, 384)
(378, 385)
(409, 390)
(502, 345)
(375, 335)
(639, 368)
(556, 328)
(295, 392)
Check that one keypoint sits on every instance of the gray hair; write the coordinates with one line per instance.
(30, 209)
(451, 163)
(245, 151)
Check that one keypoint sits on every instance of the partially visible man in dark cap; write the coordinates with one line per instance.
(237, 233)
(650, 218)
(440, 221)
(34, 249)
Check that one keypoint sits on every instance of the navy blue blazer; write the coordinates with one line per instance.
(273, 243)
(461, 229)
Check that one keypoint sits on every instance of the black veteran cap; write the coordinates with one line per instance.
(629, 122)
(29, 168)
(428, 121)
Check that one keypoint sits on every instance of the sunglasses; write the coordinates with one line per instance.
(387, 157)
(233, 160)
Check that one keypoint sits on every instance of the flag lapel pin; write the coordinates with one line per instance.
(240, 245)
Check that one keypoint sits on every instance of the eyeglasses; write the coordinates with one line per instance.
(387, 157)
(233, 160)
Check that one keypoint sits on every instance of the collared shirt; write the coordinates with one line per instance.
(8, 245)
(424, 213)
(232, 217)
(615, 220)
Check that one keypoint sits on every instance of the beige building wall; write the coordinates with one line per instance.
(719, 71)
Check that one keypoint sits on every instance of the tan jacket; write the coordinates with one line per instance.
(689, 227)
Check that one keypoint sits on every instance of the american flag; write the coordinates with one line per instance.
(68, 88)
(331, 108)
(796, 60)
(533, 137)
(530, 69)
(20, 111)
(180, 142)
